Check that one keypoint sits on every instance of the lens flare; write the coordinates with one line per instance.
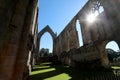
(91, 18)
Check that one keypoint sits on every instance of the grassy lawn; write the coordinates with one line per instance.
(116, 67)
(46, 71)
(49, 71)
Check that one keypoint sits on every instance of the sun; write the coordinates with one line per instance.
(91, 18)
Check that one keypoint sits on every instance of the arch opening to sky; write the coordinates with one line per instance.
(46, 42)
(112, 45)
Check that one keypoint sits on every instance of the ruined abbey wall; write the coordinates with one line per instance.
(17, 19)
(105, 25)
(68, 38)
(96, 35)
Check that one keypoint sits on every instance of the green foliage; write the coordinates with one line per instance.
(112, 54)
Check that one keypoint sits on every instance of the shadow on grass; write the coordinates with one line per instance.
(74, 74)
(37, 69)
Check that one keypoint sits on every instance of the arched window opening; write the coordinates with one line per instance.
(113, 53)
(101, 9)
(46, 45)
(94, 13)
(97, 8)
(112, 45)
(80, 38)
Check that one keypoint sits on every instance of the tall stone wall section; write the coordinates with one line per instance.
(90, 56)
(95, 35)
(68, 38)
(106, 25)
(17, 18)
(113, 15)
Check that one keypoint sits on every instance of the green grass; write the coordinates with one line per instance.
(49, 71)
(116, 67)
(39, 73)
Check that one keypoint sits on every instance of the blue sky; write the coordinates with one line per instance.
(57, 14)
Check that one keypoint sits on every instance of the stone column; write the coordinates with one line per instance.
(24, 46)
(103, 55)
(12, 13)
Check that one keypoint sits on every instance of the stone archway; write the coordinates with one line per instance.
(49, 30)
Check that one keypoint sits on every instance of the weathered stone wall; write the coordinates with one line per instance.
(27, 39)
(98, 30)
(34, 40)
(96, 35)
(17, 18)
(113, 14)
(106, 25)
(87, 56)
(68, 38)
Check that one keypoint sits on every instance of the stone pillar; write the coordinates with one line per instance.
(12, 14)
(29, 61)
(103, 55)
(24, 46)
(38, 46)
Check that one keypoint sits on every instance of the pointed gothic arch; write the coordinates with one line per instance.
(49, 30)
